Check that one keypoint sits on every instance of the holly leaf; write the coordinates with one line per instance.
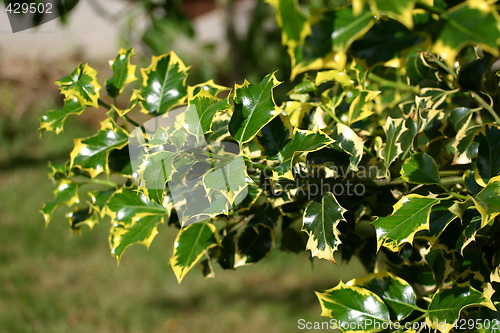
(391, 149)
(488, 159)
(134, 219)
(420, 168)
(164, 84)
(54, 119)
(91, 154)
(410, 215)
(488, 201)
(254, 243)
(66, 193)
(123, 72)
(274, 136)
(207, 105)
(447, 304)
(320, 222)
(396, 293)
(355, 307)
(254, 108)
(191, 244)
(399, 10)
(348, 141)
(81, 84)
(470, 23)
(302, 141)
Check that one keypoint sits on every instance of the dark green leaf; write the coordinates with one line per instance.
(357, 308)
(320, 222)
(164, 84)
(420, 168)
(91, 154)
(488, 156)
(411, 214)
(254, 108)
(81, 84)
(191, 244)
(396, 293)
(123, 72)
(54, 119)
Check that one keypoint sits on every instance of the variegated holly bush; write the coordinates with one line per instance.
(387, 148)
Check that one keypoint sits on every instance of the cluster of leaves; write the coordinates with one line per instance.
(384, 150)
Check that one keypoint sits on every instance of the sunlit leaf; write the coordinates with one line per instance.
(488, 201)
(81, 84)
(134, 220)
(54, 120)
(91, 154)
(469, 23)
(420, 168)
(254, 108)
(66, 193)
(447, 304)
(410, 215)
(355, 307)
(396, 293)
(320, 223)
(191, 244)
(123, 72)
(348, 141)
(302, 141)
(164, 84)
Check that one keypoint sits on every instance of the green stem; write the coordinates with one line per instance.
(102, 182)
(485, 105)
(392, 84)
(130, 120)
(443, 65)
(104, 104)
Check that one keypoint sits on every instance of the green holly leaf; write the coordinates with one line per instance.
(123, 72)
(385, 41)
(399, 10)
(470, 23)
(331, 36)
(207, 105)
(396, 293)
(420, 168)
(134, 219)
(274, 136)
(163, 84)
(320, 222)
(488, 158)
(254, 243)
(488, 201)
(154, 173)
(410, 215)
(391, 149)
(295, 27)
(81, 84)
(254, 108)
(418, 70)
(355, 307)
(348, 141)
(66, 193)
(91, 154)
(302, 141)
(54, 119)
(447, 304)
(191, 244)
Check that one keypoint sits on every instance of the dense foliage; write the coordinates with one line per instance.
(384, 149)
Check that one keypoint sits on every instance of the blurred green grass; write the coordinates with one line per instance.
(54, 281)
